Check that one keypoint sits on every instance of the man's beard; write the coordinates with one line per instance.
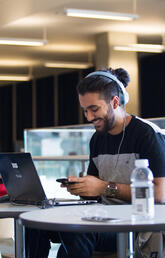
(108, 120)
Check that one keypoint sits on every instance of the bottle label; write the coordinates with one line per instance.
(143, 201)
(142, 192)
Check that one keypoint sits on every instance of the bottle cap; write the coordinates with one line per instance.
(141, 163)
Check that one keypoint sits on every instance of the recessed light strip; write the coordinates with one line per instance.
(7, 77)
(151, 48)
(22, 42)
(72, 65)
(100, 14)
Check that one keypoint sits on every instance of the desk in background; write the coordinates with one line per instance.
(8, 210)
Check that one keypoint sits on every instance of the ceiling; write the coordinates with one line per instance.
(69, 39)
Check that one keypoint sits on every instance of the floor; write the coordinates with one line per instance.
(53, 251)
(6, 248)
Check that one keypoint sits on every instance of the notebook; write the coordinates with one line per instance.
(23, 184)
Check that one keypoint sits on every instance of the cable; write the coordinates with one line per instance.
(124, 126)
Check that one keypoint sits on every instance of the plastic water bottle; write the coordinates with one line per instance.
(142, 191)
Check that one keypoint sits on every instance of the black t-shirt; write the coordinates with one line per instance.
(142, 140)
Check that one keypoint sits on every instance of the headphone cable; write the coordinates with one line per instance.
(124, 126)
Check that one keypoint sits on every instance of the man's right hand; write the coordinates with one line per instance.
(86, 186)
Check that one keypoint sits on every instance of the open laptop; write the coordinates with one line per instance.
(23, 184)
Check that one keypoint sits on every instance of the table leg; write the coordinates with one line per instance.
(19, 232)
(125, 245)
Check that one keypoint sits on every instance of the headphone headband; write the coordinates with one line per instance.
(125, 97)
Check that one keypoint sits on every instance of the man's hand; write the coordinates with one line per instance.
(93, 186)
(86, 186)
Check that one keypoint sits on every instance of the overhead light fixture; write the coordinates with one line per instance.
(14, 77)
(73, 65)
(23, 42)
(152, 48)
(18, 63)
(100, 14)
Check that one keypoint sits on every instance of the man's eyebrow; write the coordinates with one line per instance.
(89, 107)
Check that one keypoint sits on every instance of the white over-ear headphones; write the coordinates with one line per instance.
(123, 95)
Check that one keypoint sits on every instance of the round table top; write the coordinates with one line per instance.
(69, 218)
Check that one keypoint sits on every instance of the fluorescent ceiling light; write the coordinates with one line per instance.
(73, 65)
(152, 48)
(18, 63)
(15, 77)
(23, 42)
(100, 14)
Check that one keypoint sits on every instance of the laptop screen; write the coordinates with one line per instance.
(20, 178)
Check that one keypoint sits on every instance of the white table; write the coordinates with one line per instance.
(8, 210)
(69, 219)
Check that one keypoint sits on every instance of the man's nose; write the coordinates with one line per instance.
(89, 116)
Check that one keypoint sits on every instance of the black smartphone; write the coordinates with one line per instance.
(64, 181)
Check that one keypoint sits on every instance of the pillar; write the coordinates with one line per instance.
(106, 57)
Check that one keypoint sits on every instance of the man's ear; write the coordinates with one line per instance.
(115, 102)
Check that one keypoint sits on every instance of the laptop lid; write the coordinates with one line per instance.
(23, 183)
(21, 178)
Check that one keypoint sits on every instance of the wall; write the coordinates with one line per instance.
(44, 102)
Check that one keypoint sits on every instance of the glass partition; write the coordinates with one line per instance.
(160, 121)
(57, 142)
(57, 153)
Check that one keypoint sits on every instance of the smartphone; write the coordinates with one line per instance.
(99, 219)
(64, 181)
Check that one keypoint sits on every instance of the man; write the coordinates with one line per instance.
(120, 138)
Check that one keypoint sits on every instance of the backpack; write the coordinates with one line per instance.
(2, 189)
(150, 245)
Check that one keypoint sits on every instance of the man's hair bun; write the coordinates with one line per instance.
(122, 75)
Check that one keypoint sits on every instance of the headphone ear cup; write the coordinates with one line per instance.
(124, 98)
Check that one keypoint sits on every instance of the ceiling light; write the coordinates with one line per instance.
(18, 62)
(152, 48)
(73, 65)
(100, 14)
(15, 77)
(23, 42)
